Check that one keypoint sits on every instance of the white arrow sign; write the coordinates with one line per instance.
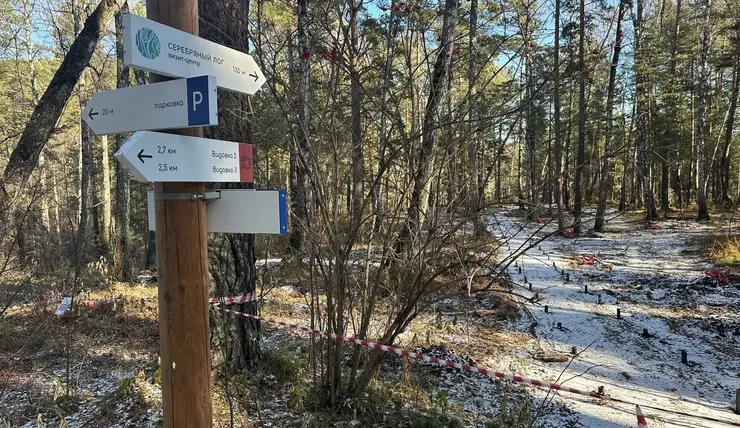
(242, 211)
(155, 156)
(155, 47)
(178, 103)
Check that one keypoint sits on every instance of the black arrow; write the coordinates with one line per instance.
(255, 75)
(142, 156)
(91, 114)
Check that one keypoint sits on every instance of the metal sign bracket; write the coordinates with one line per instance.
(187, 196)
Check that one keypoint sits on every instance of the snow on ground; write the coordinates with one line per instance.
(659, 286)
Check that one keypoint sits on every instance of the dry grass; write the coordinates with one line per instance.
(129, 291)
(718, 216)
(102, 342)
(122, 326)
(726, 251)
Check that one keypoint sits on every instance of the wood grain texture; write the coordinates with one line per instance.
(183, 274)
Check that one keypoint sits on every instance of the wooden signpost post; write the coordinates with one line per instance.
(182, 258)
(179, 162)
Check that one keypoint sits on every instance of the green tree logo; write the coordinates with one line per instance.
(147, 42)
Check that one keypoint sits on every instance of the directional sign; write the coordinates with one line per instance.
(155, 47)
(178, 103)
(242, 211)
(154, 156)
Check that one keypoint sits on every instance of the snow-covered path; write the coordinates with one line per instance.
(657, 286)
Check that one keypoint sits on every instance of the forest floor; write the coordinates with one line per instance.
(653, 273)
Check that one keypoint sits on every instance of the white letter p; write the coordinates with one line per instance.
(197, 99)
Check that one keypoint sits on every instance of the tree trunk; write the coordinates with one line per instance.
(358, 162)
(568, 140)
(664, 149)
(671, 156)
(702, 134)
(151, 251)
(474, 203)
(85, 196)
(56, 216)
(240, 274)
(675, 171)
(547, 173)
(47, 251)
(737, 189)
(451, 151)
(642, 112)
(48, 256)
(609, 132)
(121, 244)
(39, 128)
(692, 154)
(105, 197)
(520, 143)
(725, 160)
(627, 139)
(590, 175)
(423, 172)
(529, 138)
(380, 177)
(581, 156)
(451, 162)
(301, 150)
(556, 120)
(665, 177)
(498, 153)
(380, 180)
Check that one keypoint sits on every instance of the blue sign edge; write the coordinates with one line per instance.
(283, 208)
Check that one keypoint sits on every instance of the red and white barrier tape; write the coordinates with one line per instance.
(22, 295)
(66, 302)
(641, 421)
(215, 301)
(250, 297)
(677, 412)
(422, 357)
(230, 300)
(464, 367)
(90, 303)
